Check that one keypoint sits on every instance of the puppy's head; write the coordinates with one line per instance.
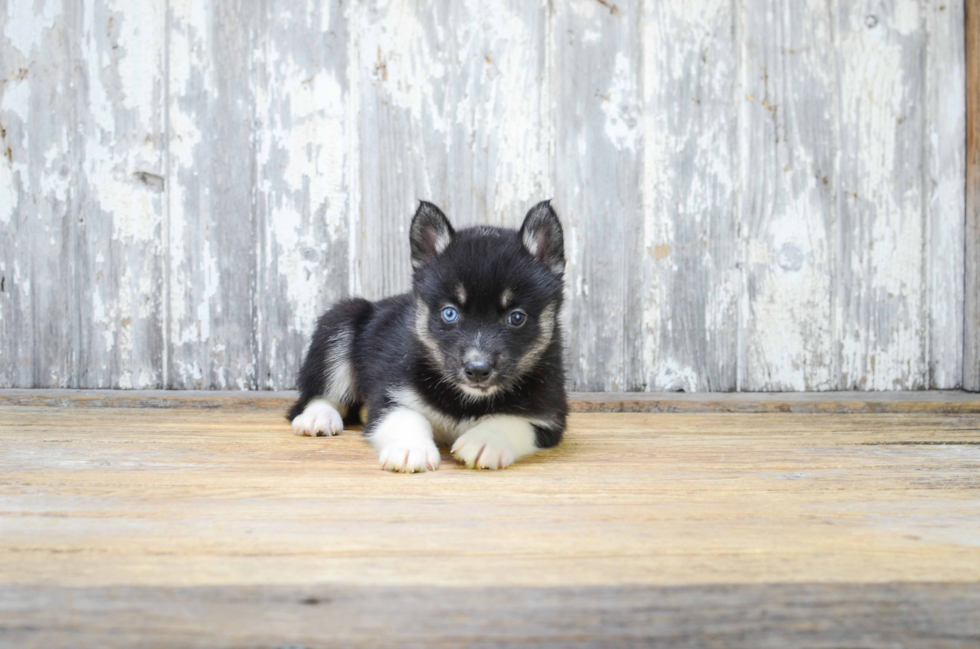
(487, 298)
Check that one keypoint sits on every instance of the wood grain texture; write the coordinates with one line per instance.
(403, 60)
(212, 228)
(454, 107)
(971, 309)
(598, 155)
(501, 111)
(757, 196)
(788, 216)
(748, 616)
(882, 310)
(303, 186)
(689, 327)
(40, 321)
(922, 401)
(118, 194)
(148, 523)
(945, 123)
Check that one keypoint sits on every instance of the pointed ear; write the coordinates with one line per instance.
(430, 234)
(542, 237)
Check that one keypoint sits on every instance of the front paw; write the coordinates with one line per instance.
(484, 448)
(405, 457)
(318, 419)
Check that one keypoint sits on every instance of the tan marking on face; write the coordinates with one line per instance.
(461, 294)
(422, 332)
(506, 298)
(546, 332)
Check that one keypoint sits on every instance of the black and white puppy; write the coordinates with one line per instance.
(471, 358)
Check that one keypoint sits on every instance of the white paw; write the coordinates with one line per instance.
(409, 458)
(403, 439)
(484, 448)
(318, 419)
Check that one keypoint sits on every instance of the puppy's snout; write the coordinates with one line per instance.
(478, 370)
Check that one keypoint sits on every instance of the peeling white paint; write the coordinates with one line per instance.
(505, 94)
(620, 104)
(313, 175)
(9, 196)
(14, 106)
(586, 10)
(885, 193)
(352, 172)
(27, 21)
(103, 319)
(674, 377)
(734, 245)
(393, 51)
(787, 312)
(906, 19)
(188, 311)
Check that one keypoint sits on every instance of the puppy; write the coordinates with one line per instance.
(471, 358)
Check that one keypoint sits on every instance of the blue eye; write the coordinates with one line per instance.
(517, 318)
(449, 314)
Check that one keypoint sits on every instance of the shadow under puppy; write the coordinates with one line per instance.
(471, 358)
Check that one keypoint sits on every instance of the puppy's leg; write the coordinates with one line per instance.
(403, 439)
(326, 381)
(499, 440)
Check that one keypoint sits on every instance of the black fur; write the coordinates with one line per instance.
(386, 350)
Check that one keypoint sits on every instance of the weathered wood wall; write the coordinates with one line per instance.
(763, 195)
(971, 320)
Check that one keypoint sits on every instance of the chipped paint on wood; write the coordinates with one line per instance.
(213, 234)
(598, 138)
(39, 316)
(455, 108)
(118, 204)
(787, 181)
(757, 196)
(945, 133)
(302, 178)
(691, 285)
(882, 319)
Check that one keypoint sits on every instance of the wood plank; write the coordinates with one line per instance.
(454, 108)
(598, 176)
(945, 121)
(241, 500)
(971, 320)
(481, 106)
(788, 212)
(16, 222)
(119, 194)
(212, 232)
(500, 111)
(689, 327)
(226, 528)
(303, 143)
(882, 321)
(402, 65)
(741, 402)
(723, 615)
(39, 319)
(760, 402)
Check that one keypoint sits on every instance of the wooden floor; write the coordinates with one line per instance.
(217, 527)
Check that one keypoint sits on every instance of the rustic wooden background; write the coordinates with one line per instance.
(758, 195)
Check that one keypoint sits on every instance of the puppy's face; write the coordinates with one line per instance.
(487, 299)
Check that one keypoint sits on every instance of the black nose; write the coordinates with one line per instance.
(477, 370)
